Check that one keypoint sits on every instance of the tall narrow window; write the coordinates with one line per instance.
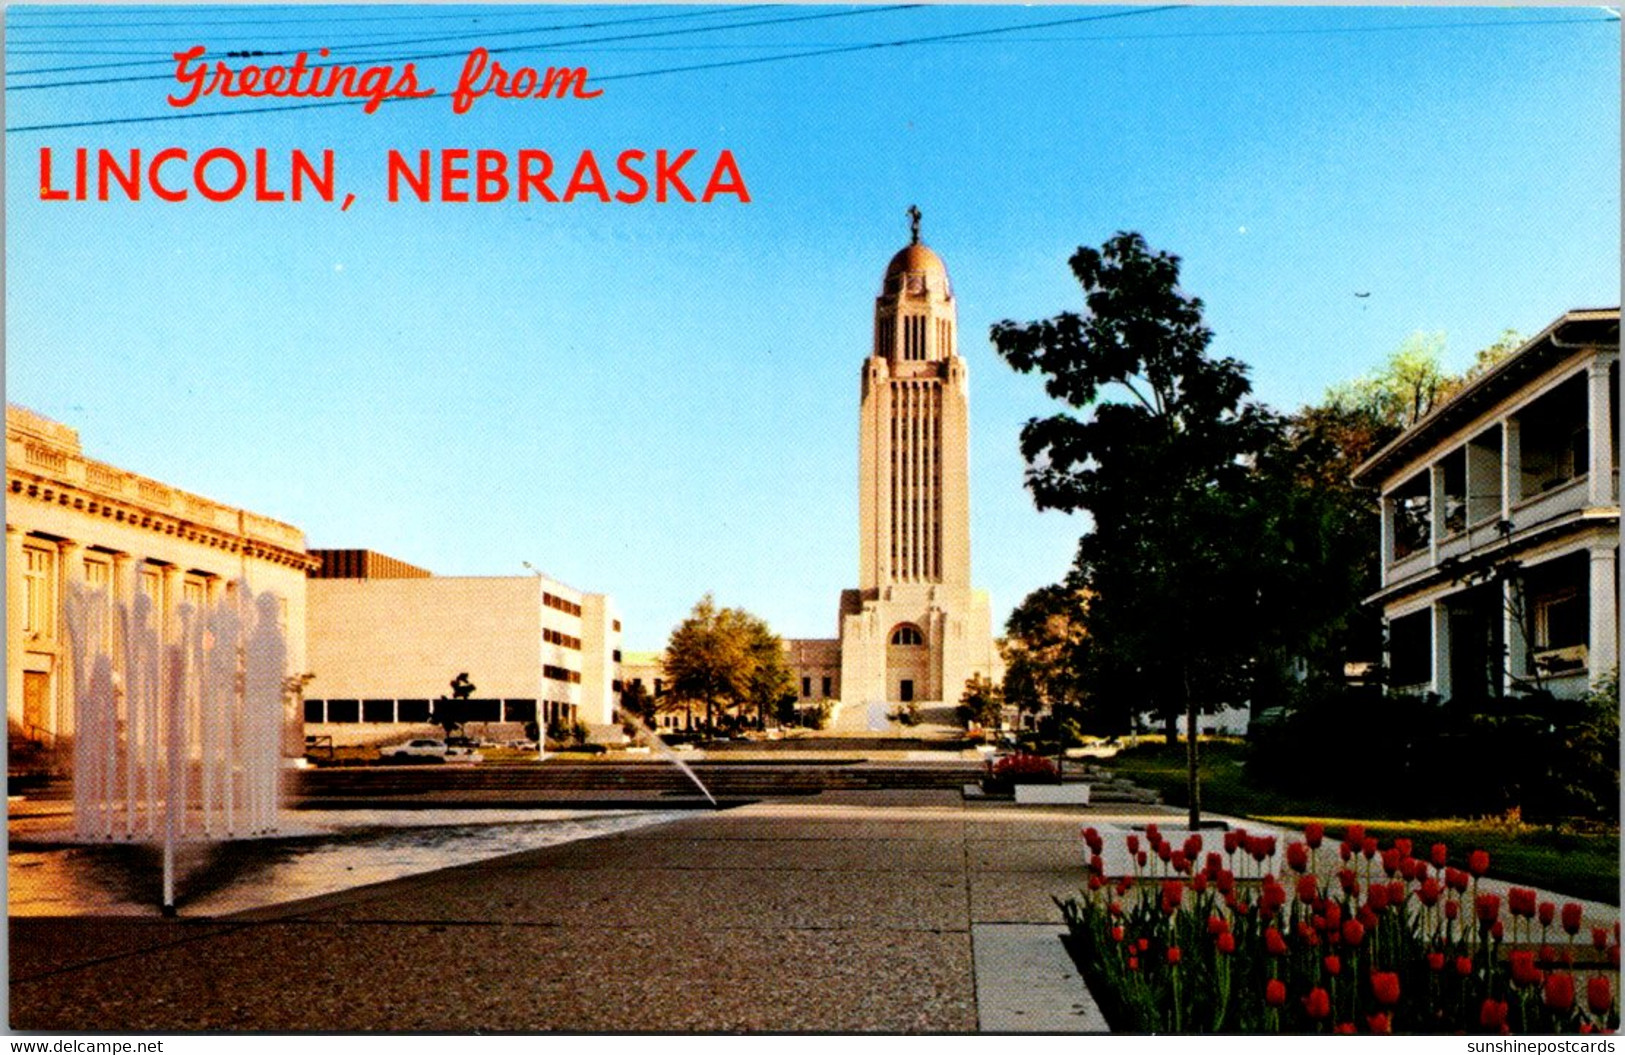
(39, 588)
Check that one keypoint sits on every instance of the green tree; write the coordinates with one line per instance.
(728, 661)
(1161, 464)
(636, 701)
(982, 703)
(1044, 650)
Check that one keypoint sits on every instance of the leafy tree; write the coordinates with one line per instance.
(1045, 649)
(636, 701)
(727, 660)
(1161, 464)
(982, 703)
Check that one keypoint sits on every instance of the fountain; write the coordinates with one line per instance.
(178, 722)
(664, 750)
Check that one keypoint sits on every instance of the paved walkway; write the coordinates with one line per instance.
(884, 911)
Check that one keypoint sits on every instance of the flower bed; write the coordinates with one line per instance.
(1020, 768)
(1348, 938)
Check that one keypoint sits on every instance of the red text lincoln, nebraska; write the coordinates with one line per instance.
(532, 175)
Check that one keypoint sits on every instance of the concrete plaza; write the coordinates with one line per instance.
(903, 911)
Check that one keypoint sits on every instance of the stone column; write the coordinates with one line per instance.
(1435, 511)
(70, 569)
(1386, 556)
(1603, 651)
(1600, 448)
(169, 600)
(16, 601)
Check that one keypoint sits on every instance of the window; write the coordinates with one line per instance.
(1552, 439)
(39, 588)
(905, 691)
(1561, 620)
(1413, 510)
(907, 635)
(519, 710)
(1410, 648)
(343, 710)
(377, 710)
(411, 710)
(806, 688)
(827, 684)
(1453, 468)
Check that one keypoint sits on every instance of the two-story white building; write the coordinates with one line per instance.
(1500, 524)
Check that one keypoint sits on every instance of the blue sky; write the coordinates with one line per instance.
(660, 400)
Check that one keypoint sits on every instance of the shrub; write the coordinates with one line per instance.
(1023, 768)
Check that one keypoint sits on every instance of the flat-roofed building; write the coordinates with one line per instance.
(386, 647)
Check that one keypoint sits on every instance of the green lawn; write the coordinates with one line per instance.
(1573, 863)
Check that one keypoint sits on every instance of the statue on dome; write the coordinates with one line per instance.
(914, 224)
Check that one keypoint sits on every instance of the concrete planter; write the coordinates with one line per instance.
(1052, 794)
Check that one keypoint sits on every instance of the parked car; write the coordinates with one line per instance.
(415, 751)
(462, 749)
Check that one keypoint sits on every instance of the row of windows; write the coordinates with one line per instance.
(828, 686)
(384, 712)
(40, 603)
(553, 637)
(560, 674)
(562, 605)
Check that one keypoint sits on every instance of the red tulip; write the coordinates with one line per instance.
(1571, 918)
(1318, 1004)
(1452, 909)
(1152, 832)
(1355, 836)
(1226, 943)
(1497, 930)
(1380, 1024)
(1115, 908)
(1464, 966)
(1521, 902)
(1493, 1015)
(1344, 1027)
(1144, 944)
(1353, 932)
(1439, 855)
(1308, 889)
(1403, 846)
(1134, 963)
(1524, 971)
(1199, 882)
(1173, 955)
(1334, 966)
(1179, 861)
(1173, 893)
(1598, 997)
(1351, 885)
(1377, 897)
(1390, 861)
(1547, 913)
(1385, 987)
(1275, 993)
(1117, 934)
(1369, 847)
(1456, 880)
(1435, 961)
(1232, 839)
(1599, 938)
(1217, 924)
(1213, 865)
(1488, 907)
(1559, 992)
(1141, 859)
(1274, 943)
(1297, 857)
(1428, 893)
(1313, 834)
(1133, 844)
(1478, 862)
(1193, 845)
(1226, 881)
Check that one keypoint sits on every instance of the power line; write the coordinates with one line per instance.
(482, 35)
(405, 14)
(513, 47)
(845, 49)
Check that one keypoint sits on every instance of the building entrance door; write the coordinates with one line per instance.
(36, 703)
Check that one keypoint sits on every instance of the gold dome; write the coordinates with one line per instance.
(916, 257)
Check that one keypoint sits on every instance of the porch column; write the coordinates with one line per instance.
(1603, 651)
(1511, 467)
(1517, 646)
(1386, 556)
(1600, 445)
(1441, 649)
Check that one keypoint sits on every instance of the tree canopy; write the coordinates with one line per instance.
(728, 660)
